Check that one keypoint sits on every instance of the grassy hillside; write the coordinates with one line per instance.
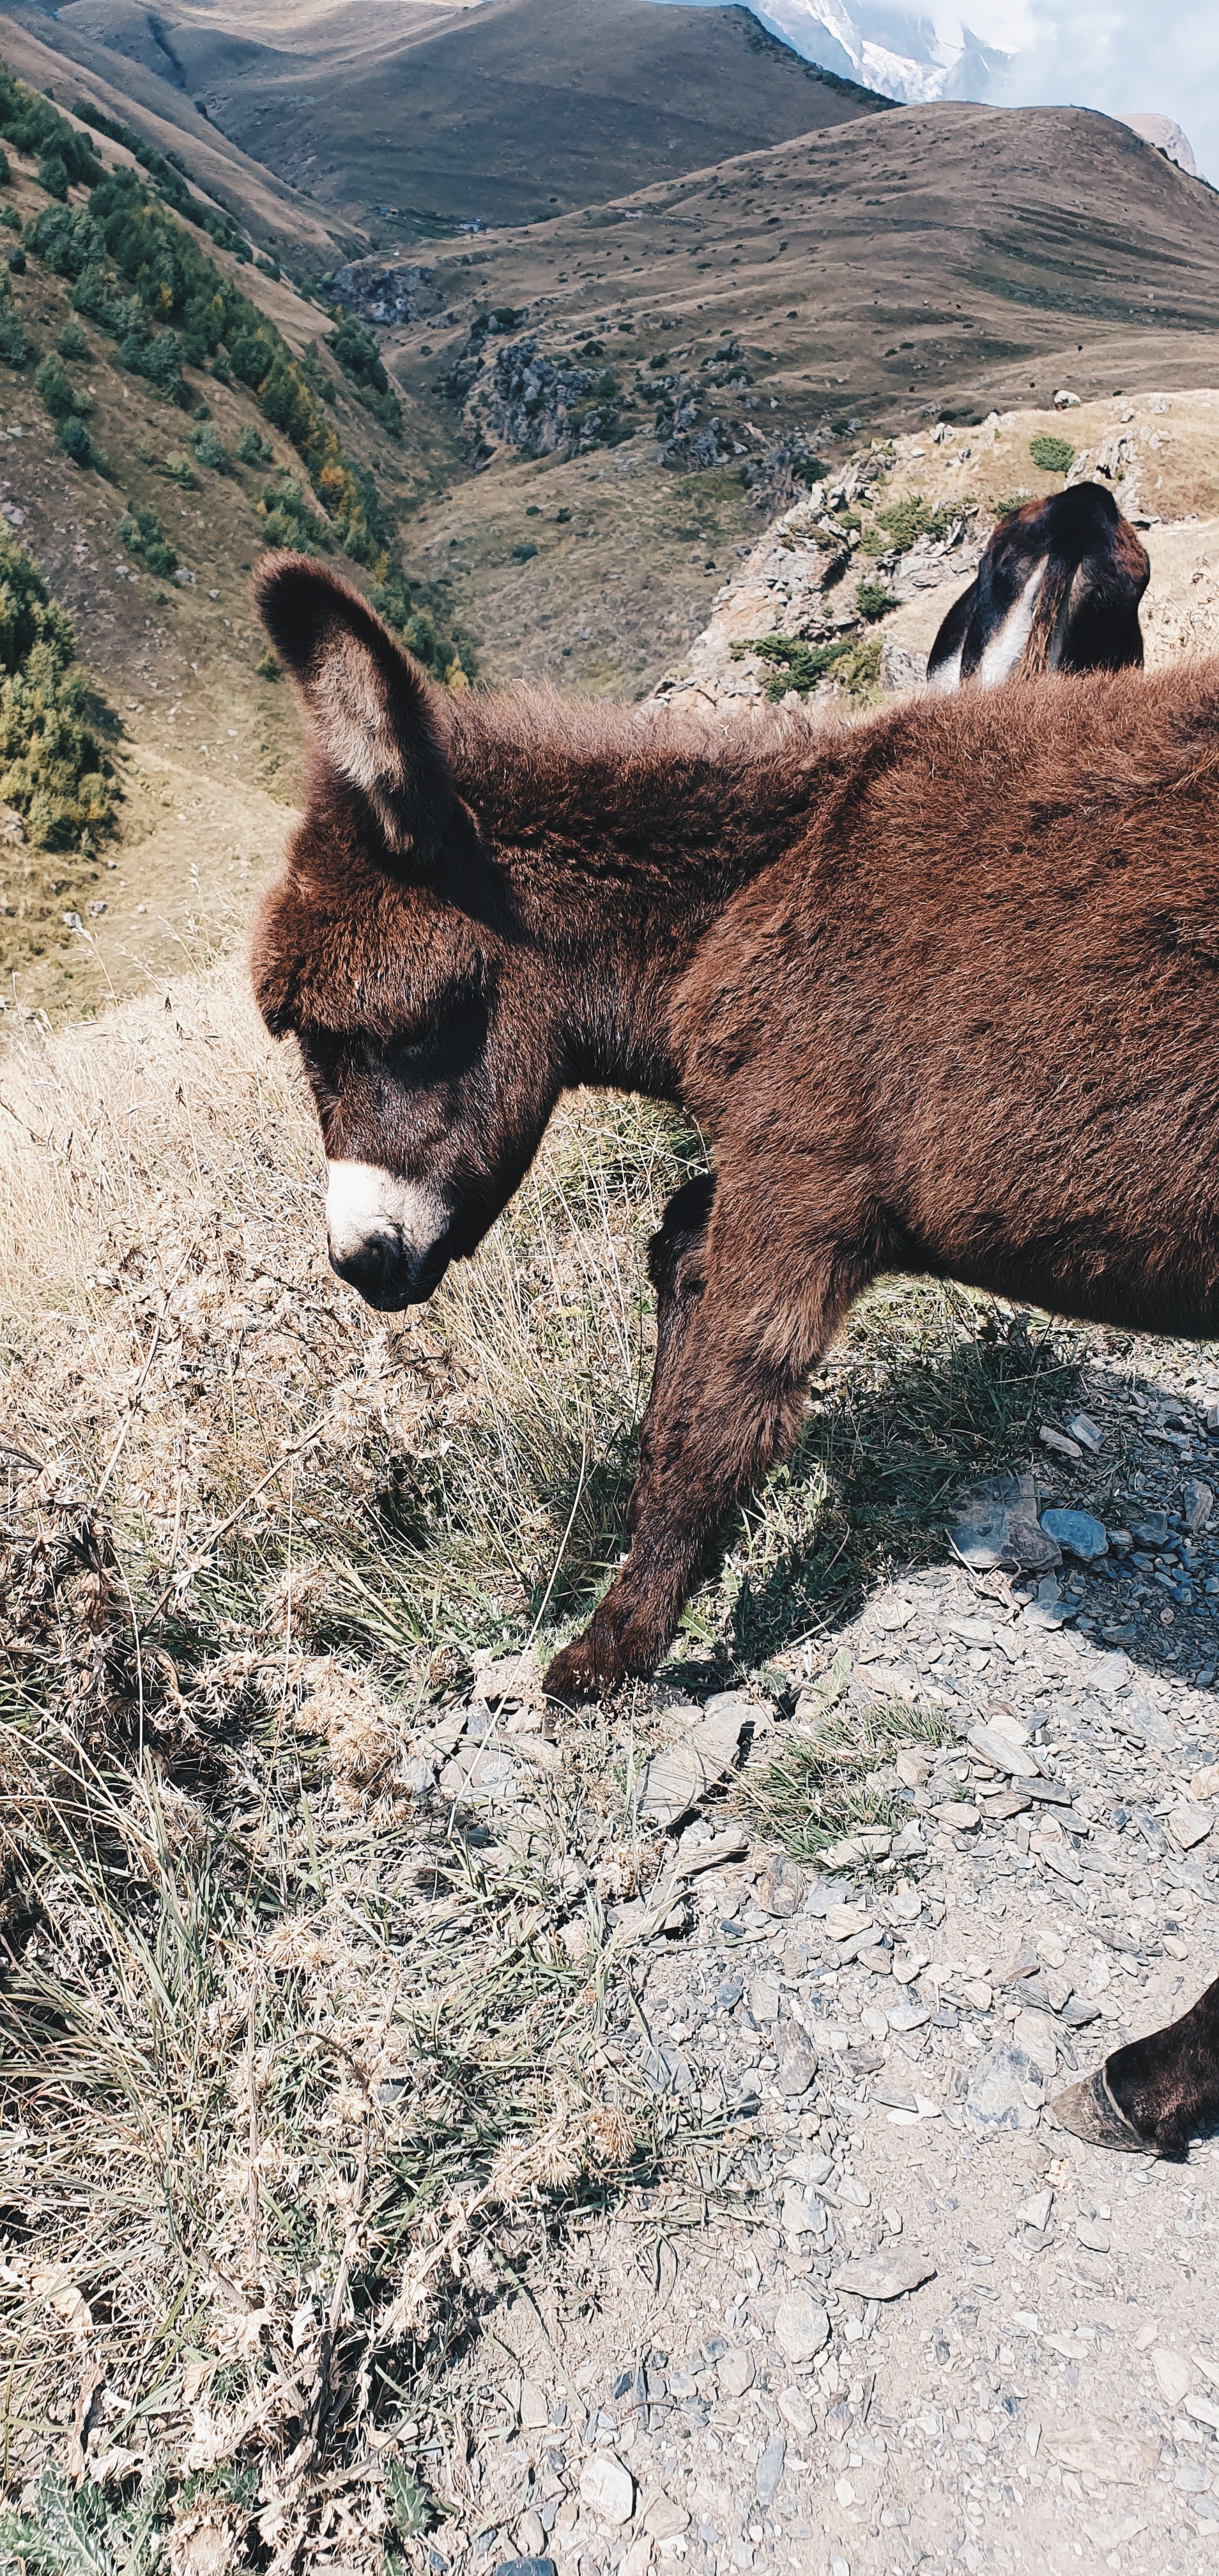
(496, 113)
(934, 261)
(65, 62)
(169, 411)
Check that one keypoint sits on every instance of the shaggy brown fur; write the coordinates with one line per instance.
(941, 991)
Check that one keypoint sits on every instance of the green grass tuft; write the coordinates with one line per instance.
(874, 599)
(1051, 455)
(830, 1782)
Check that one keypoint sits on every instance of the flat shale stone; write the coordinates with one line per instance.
(771, 2463)
(883, 2276)
(607, 2488)
(998, 2087)
(802, 2326)
(683, 1773)
(998, 1526)
(1078, 1532)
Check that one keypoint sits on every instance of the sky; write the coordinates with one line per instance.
(1123, 56)
(1119, 55)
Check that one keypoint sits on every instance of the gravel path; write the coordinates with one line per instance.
(917, 2325)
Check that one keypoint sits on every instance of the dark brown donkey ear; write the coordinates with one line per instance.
(371, 709)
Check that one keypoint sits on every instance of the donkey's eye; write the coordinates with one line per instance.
(409, 1049)
(319, 1065)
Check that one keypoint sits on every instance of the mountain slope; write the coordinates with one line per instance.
(166, 412)
(454, 114)
(66, 65)
(948, 258)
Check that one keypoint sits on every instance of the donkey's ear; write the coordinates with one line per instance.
(372, 711)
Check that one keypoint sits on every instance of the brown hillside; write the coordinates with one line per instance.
(451, 113)
(63, 62)
(945, 259)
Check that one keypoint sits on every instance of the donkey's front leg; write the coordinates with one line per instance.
(1156, 2091)
(729, 1405)
(677, 1268)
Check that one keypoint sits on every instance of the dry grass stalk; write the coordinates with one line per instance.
(299, 2052)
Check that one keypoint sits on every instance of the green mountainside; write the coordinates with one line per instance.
(418, 117)
(159, 428)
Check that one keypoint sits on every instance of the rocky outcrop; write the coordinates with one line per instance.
(542, 405)
(809, 583)
(689, 439)
(387, 295)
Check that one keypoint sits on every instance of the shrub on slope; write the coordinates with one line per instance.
(53, 767)
(139, 272)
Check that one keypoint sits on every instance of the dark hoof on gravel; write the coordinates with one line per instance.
(573, 1678)
(1089, 2111)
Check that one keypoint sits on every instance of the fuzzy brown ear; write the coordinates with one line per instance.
(370, 706)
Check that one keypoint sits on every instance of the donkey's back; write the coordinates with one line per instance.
(978, 1005)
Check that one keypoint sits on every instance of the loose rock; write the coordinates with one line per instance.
(879, 2276)
(1078, 1533)
(607, 2488)
(677, 1778)
(802, 2326)
(1000, 2087)
(735, 2371)
(998, 1526)
(664, 2519)
(1101, 2449)
(797, 2070)
(771, 2462)
(780, 1888)
(1189, 1825)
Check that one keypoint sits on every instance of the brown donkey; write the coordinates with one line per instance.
(941, 990)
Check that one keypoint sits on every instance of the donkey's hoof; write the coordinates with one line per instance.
(1089, 2111)
(577, 1673)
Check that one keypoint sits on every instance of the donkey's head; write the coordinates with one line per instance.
(389, 948)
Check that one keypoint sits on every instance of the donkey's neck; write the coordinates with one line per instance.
(620, 844)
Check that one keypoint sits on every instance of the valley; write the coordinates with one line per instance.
(600, 413)
(446, 2134)
(727, 329)
(411, 120)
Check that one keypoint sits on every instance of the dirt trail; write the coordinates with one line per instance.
(1035, 2385)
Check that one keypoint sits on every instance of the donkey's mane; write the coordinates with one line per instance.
(545, 769)
(543, 764)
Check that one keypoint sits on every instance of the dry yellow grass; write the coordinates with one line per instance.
(296, 2052)
(300, 2056)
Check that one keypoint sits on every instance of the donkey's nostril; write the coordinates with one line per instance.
(385, 1273)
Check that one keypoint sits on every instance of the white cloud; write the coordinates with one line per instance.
(1123, 57)
(1117, 55)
